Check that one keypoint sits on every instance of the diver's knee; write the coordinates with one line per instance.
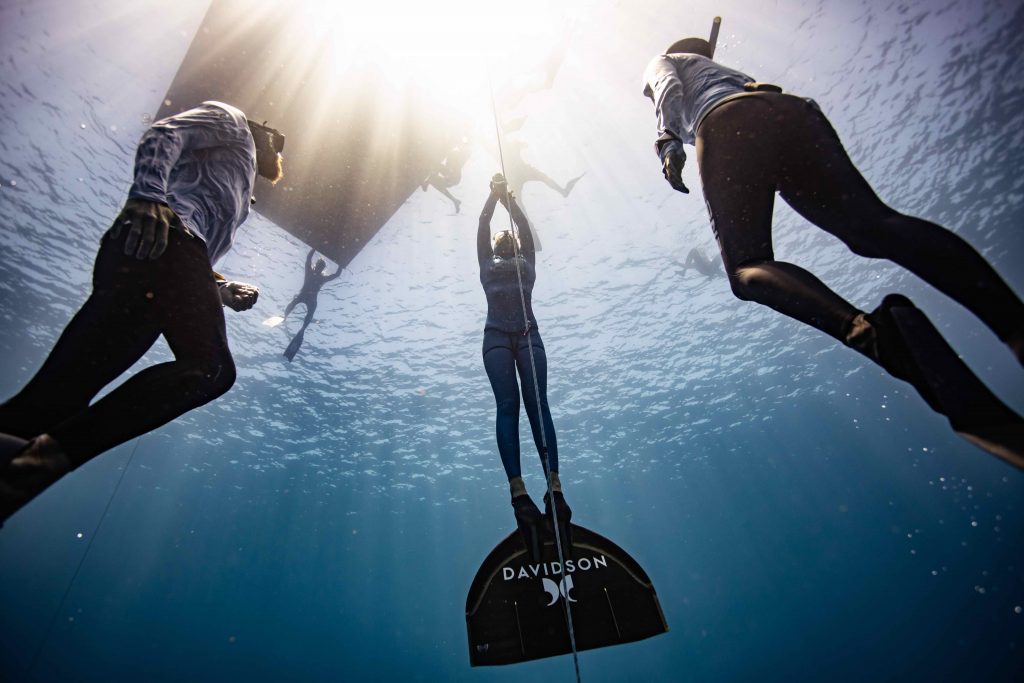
(211, 378)
(743, 282)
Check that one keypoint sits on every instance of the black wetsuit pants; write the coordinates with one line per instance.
(754, 146)
(132, 303)
(504, 354)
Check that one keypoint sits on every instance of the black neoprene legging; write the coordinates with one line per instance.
(132, 303)
(504, 354)
(755, 145)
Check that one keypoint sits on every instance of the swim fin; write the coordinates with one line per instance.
(564, 514)
(529, 519)
(293, 346)
(912, 349)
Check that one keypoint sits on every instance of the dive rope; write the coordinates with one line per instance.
(545, 460)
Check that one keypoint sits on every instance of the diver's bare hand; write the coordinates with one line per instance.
(148, 224)
(238, 296)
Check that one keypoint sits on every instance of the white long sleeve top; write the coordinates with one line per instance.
(202, 164)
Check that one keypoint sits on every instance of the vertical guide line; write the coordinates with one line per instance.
(88, 547)
(536, 386)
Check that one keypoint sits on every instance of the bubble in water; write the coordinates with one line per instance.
(82, 126)
(1017, 610)
(79, 535)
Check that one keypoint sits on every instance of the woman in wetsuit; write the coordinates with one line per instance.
(507, 275)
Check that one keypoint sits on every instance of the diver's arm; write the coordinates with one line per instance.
(526, 245)
(483, 233)
(662, 85)
(333, 275)
(309, 259)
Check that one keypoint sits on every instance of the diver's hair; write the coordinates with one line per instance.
(268, 164)
(501, 238)
(696, 46)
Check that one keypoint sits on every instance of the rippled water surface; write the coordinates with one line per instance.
(803, 515)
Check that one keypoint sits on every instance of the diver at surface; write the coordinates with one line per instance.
(314, 280)
(752, 141)
(193, 182)
(506, 350)
(702, 264)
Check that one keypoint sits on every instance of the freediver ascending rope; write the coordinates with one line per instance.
(507, 338)
(753, 141)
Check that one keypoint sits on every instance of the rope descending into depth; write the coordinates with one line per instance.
(545, 461)
(85, 554)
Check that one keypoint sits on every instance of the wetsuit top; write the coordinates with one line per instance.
(685, 87)
(498, 275)
(201, 163)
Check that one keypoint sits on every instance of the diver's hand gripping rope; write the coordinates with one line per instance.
(545, 461)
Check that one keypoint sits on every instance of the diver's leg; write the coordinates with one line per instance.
(827, 189)
(500, 364)
(290, 307)
(450, 196)
(186, 306)
(540, 362)
(310, 310)
(739, 176)
(104, 338)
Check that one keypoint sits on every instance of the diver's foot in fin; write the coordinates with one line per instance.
(529, 520)
(38, 465)
(571, 184)
(458, 205)
(293, 347)
(564, 514)
(900, 338)
(1003, 441)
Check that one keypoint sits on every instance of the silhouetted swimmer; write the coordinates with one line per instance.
(752, 141)
(194, 175)
(314, 280)
(449, 173)
(699, 262)
(508, 336)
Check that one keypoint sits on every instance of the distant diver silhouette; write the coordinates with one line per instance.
(699, 262)
(194, 175)
(449, 173)
(519, 172)
(314, 280)
(753, 141)
(506, 350)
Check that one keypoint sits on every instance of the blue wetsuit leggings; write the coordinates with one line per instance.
(504, 354)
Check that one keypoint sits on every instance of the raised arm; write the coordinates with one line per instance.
(526, 245)
(334, 275)
(483, 233)
(309, 259)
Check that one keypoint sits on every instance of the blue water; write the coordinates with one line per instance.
(802, 515)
